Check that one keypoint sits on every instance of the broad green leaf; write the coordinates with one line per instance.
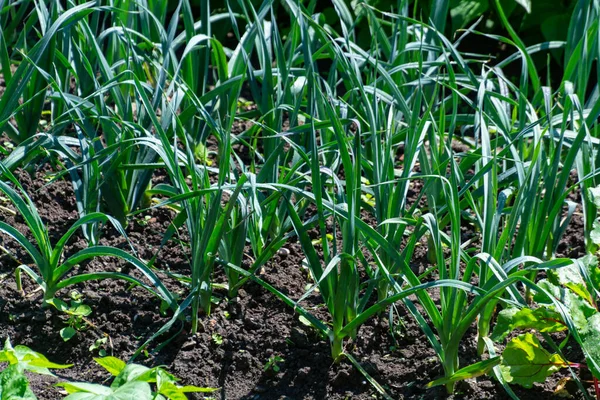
(25, 358)
(579, 309)
(67, 333)
(111, 364)
(570, 277)
(8, 353)
(541, 319)
(163, 379)
(595, 233)
(43, 362)
(14, 385)
(58, 304)
(167, 386)
(472, 371)
(132, 391)
(85, 396)
(131, 372)
(525, 361)
(84, 387)
(594, 195)
(81, 310)
(590, 343)
(591, 265)
(88, 391)
(171, 391)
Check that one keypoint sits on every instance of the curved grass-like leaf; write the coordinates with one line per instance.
(38, 259)
(472, 371)
(104, 251)
(20, 79)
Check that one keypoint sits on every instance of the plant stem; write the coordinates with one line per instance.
(195, 315)
(382, 290)
(450, 366)
(337, 348)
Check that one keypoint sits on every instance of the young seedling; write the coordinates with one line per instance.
(76, 313)
(273, 364)
(217, 339)
(100, 346)
(51, 271)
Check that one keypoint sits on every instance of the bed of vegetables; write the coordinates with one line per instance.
(299, 199)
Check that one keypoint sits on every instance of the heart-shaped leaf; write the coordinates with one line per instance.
(525, 361)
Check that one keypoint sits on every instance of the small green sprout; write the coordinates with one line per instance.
(217, 339)
(76, 312)
(100, 345)
(273, 363)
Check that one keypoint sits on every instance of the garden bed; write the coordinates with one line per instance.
(299, 200)
(239, 338)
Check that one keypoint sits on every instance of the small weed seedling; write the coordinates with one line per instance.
(100, 346)
(273, 364)
(217, 339)
(76, 316)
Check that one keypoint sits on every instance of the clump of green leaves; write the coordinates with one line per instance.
(100, 345)
(50, 268)
(76, 316)
(524, 361)
(131, 381)
(13, 382)
(566, 300)
(273, 363)
(14, 385)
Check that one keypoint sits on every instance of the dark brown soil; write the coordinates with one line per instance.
(254, 327)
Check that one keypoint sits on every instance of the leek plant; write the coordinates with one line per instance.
(256, 227)
(202, 210)
(108, 171)
(338, 278)
(51, 270)
(107, 104)
(99, 105)
(26, 88)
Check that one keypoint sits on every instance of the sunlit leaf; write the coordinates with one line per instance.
(541, 319)
(525, 361)
(472, 371)
(111, 364)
